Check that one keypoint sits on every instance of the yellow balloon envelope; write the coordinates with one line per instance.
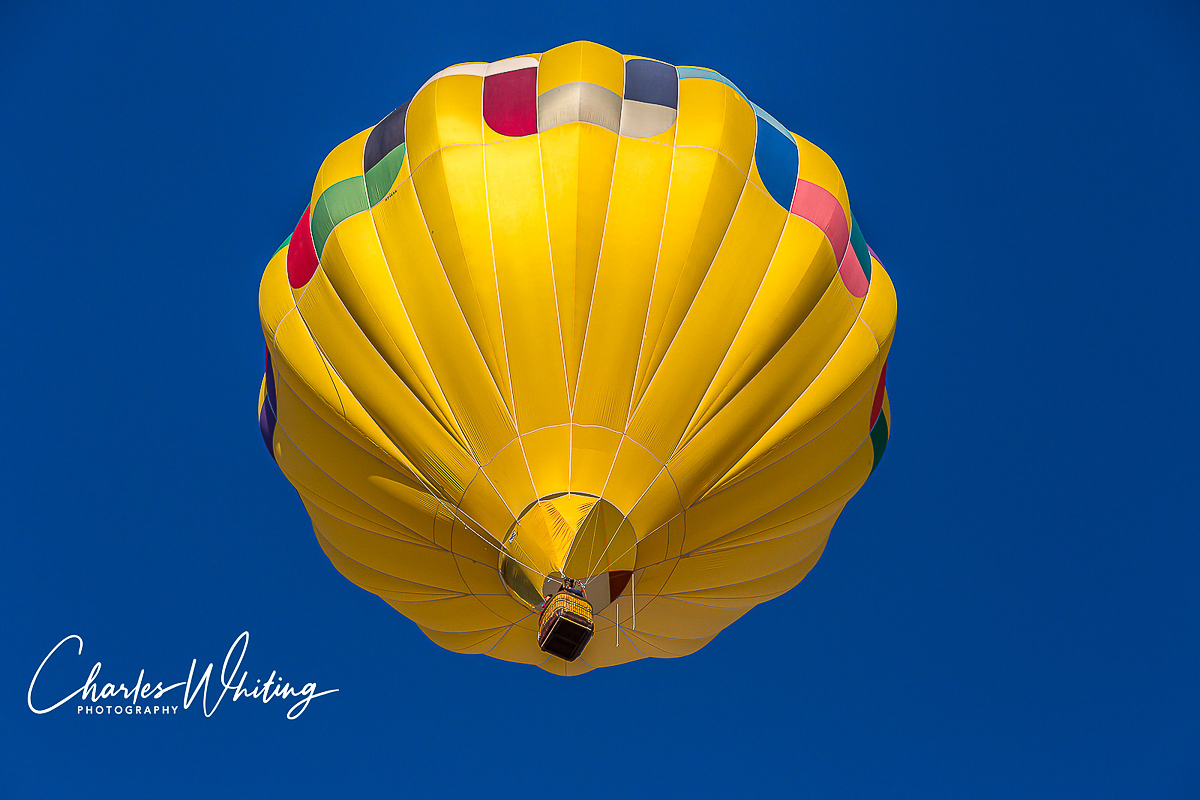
(584, 317)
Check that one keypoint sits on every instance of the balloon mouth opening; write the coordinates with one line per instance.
(568, 540)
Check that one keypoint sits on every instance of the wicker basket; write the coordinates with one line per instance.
(565, 626)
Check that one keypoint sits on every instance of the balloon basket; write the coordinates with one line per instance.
(565, 626)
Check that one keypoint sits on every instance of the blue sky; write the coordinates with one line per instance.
(1008, 608)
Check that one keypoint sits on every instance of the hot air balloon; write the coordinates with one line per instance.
(576, 357)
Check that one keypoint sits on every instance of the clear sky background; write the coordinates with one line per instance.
(1008, 608)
